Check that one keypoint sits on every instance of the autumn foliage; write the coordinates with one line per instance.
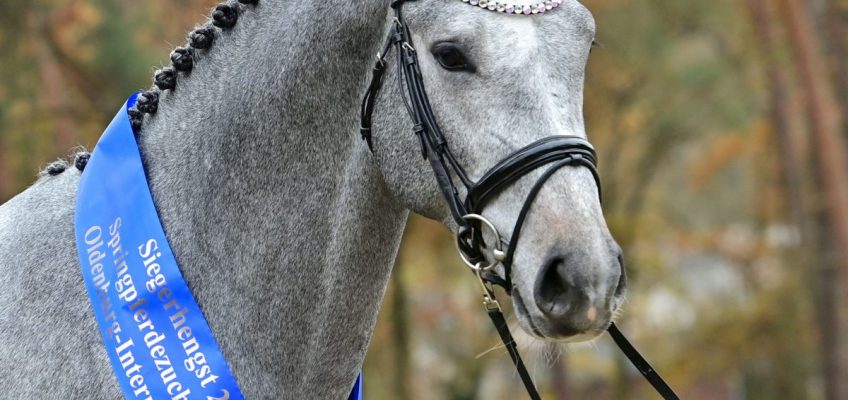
(719, 127)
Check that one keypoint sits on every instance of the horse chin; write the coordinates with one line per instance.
(536, 329)
(525, 320)
(583, 337)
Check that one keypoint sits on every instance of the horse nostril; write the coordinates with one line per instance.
(548, 286)
(622, 277)
(557, 293)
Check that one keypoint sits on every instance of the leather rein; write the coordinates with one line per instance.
(552, 152)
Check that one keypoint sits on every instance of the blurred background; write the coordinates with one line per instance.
(720, 130)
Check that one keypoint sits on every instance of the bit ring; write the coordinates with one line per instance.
(497, 252)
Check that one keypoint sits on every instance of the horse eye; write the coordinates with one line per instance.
(451, 58)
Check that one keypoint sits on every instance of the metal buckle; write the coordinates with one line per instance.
(489, 300)
(497, 252)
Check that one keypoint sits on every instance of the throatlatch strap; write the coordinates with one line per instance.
(641, 364)
(503, 330)
(368, 102)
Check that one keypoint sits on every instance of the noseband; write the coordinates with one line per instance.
(554, 152)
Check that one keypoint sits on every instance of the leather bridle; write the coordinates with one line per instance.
(554, 153)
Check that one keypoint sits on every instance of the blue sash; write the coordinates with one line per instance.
(156, 336)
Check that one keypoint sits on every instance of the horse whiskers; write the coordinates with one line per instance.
(496, 347)
(540, 354)
(543, 353)
(523, 341)
(535, 348)
(619, 312)
(591, 344)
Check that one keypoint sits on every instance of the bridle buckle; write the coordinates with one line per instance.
(490, 302)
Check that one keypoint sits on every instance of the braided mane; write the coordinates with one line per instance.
(224, 17)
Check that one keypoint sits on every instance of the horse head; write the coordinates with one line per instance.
(496, 83)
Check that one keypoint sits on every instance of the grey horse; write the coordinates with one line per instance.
(283, 222)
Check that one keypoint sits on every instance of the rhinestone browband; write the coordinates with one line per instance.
(509, 8)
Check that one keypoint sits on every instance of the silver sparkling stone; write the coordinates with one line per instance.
(509, 8)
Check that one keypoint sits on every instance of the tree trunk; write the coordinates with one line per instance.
(831, 170)
(400, 333)
(836, 20)
(827, 315)
(780, 109)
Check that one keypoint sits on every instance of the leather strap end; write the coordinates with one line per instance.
(365, 133)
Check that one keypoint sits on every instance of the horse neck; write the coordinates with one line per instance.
(281, 224)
